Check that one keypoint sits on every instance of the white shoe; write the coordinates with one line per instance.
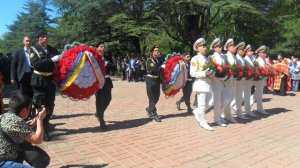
(243, 117)
(220, 123)
(204, 125)
(262, 112)
(251, 114)
(196, 116)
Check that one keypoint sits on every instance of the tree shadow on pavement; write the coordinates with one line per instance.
(85, 166)
(272, 111)
(54, 117)
(111, 126)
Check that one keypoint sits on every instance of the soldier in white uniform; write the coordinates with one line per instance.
(202, 85)
(230, 84)
(218, 82)
(249, 62)
(240, 83)
(260, 84)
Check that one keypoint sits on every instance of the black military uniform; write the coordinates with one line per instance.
(153, 67)
(42, 81)
(187, 92)
(103, 98)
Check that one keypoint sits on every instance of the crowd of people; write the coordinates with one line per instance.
(288, 76)
(131, 68)
(26, 122)
(238, 77)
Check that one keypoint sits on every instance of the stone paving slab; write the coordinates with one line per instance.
(134, 141)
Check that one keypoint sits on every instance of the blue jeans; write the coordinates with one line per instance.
(13, 164)
(295, 85)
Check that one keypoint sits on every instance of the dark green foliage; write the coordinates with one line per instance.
(30, 22)
(135, 25)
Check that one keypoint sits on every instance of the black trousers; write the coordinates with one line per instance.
(103, 98)
(45, 96)
(33, 155)
(153, 93)
(187, 92)
(25, 86)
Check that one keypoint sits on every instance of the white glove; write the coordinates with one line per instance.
(56, 58)
(163, 65)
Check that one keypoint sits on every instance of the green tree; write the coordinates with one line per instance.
(83, 20)
(2, 50)
(133, 24)
(30, 22)
(286, 14)
(187, 20)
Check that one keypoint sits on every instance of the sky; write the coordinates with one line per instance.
(9, 10)
(8, 13)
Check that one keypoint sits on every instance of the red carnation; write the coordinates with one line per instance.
(219, 68)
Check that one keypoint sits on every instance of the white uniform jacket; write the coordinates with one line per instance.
(248, 61)
(198, 70)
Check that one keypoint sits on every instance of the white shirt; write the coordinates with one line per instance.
(27, 59)
(230, 58)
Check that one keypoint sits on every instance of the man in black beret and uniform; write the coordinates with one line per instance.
(153, 67)
(43, 63)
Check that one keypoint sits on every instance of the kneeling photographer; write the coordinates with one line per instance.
(17, 139)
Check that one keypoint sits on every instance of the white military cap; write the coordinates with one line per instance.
(216, 41)
(228, 42)
(262, 48)
(197, 42)
(241, 46)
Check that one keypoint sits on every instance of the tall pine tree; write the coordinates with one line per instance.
(33, 19)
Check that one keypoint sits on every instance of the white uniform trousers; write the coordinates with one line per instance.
(239, 96)
(202, 105)
(259, 90)
(247, 95)
(218, 88)
(229, 92)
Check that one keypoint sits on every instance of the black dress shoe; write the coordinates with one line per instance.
(102, 124)
(178, 105)
(156, 118)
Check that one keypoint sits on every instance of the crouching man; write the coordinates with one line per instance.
(17, 138)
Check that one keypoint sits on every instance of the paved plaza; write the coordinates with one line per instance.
(132, 140)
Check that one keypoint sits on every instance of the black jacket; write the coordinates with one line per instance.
(41, 62)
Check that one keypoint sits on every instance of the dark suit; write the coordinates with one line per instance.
(21, 72)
